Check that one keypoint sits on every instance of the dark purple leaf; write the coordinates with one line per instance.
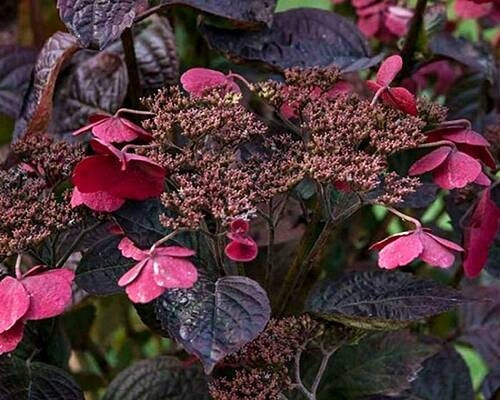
(156, 55)
(444, 376)
(420, 198)
(37, 108)
(384, 363)
(8, 21)
(491, 384)
(381, 300)
(480, 323)
(97, 23)
(303, 37)
(21, 380)
(247, 12)
(16, 66)
(214, 319)
(101, 267)
(493, 263)
(97, 84)
(160, 378)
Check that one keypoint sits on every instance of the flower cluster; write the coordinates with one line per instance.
(30, 205)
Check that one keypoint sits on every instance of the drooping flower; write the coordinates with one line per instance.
(241, 247)
(480, 234)
(163, 268)
(402, 248)
(114, 129)
(397, 97)
(105, 180)
(196, 81)
(32, 296)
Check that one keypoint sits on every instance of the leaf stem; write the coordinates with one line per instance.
(436, 144)
(132, 111)
(166, 238)
(134, 83)
(414, 221)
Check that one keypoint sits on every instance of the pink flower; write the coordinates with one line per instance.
(114, 129)
(104, 181)
(33, 296)
(473, 8)
(196, 81)
(402, 248)
(158, 270)
(397, 97)
(480, 234)
(450, 167)
(441, 72)
(381, 19)
(241, 246)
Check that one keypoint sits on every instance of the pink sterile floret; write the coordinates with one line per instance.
(105, 180)
(32, 297)
(114, 129)
(164, 268)
(241, 247)
(450, 167)
(397, 97)
(196, 81)
(402, 248)
(480, 234)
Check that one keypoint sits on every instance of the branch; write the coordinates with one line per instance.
(134, 81)
(410, 45)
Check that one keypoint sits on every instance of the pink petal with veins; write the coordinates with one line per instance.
(430, 161)
(10, 339)
(401, 251)
(14, 301)
(389, 69)
(130, 250)
(457, 171)
(97, 201)
(171, 272)
(128, 277)
(435, 253)
(144, 288)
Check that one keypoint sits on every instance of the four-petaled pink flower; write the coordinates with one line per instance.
(397, 97)
(114, 129)
(241, 246)
(32, 296)
(104, 181)
(480, 234)
(402, 248)
(196, 81)
(158, 270)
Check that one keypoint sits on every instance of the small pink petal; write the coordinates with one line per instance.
(14, 302)
(465, 136)
(435, 253)
(130, 250)
(384, 242)
(369, 25)
(446, 243)
(457, 171)
(430, 161)
(240, 226)
(401, 251)
(94, 120)
(196, 81)
(389, 69)
(10, 339)
(482, 180)
(128, 277)
(144, 288)
(97, 201)
(481, 153)
(175, 251)
(243, 250)
(50, 293)
(118, 130)
(402, 99)
(171, 272)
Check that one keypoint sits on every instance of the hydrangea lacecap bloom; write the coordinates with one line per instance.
(196, 81)
(402, 248)
(114, 129)
(480, 233)
(241, 247)
(32, 296)
(158, 270)
(103, 181)
(397, 97)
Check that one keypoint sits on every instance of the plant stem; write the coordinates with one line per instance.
(37, 25)
(270, 246)
(131, 111)
(134, 81)
(410, 46)
(166, 238)
(19, 272)
(414, 221)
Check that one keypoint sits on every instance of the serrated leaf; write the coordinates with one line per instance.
(480, 323)
(159, 378)
(98, 84)
(303, 37)
(381, 300)
(101, 267)
(384, 363)
(245, 12)
(16, 66)
(20, 380)
(97, 23)
(37, 108)
(214, 319)
(444, 376)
